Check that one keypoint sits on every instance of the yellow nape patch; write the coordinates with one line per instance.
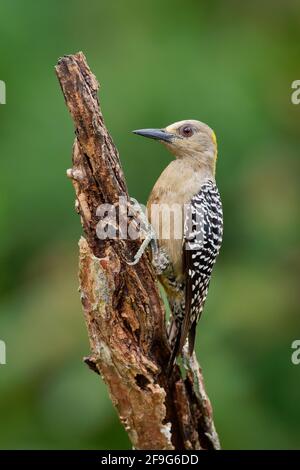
(214, 137)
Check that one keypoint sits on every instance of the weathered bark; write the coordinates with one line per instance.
(123, 310)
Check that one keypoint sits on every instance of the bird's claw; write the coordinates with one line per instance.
(146, 227)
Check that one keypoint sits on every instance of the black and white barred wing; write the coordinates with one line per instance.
(203, 230)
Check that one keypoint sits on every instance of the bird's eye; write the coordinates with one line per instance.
(186, 131)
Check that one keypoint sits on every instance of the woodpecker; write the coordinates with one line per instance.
(187, 190)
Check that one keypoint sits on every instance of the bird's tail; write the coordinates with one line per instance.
(176, 343)
(174, 340)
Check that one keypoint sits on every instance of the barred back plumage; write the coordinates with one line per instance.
(203, 231)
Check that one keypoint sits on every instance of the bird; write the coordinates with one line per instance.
(185, 218)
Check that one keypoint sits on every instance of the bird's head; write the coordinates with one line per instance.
(188, 138)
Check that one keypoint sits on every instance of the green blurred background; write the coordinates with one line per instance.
(230, 64)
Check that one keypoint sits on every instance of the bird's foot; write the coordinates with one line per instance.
(146, 229)
(160, 260)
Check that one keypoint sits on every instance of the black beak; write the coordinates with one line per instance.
(157, 134)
